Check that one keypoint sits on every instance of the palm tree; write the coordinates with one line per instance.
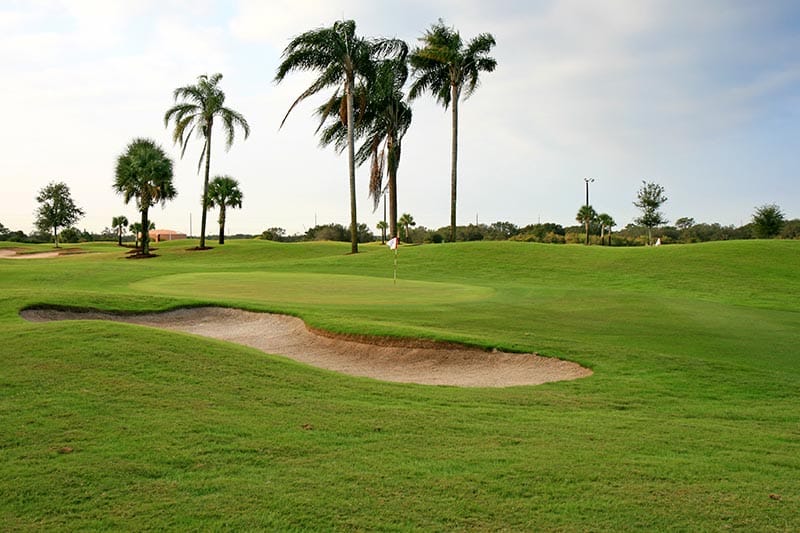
(201, 104)
(342, 58)
(223, 191)
(382, 225)
(383, 120)
(119, 223)
(136, 229)
(586, 215)
(144, 172)
(606, 223)
(445, 67)
(405, 222)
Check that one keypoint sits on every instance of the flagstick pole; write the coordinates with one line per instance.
(395, 265)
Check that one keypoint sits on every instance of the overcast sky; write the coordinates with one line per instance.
(701, 97)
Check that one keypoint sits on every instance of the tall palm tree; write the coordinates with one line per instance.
(405, 222)
(144, 172)
(201, 105)
(586, 215)
(341, 58)
(446, 67)
(382, 120)
(223, 192)
(119, 223)
(606, 223)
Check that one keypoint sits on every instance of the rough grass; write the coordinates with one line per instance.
(690, 422)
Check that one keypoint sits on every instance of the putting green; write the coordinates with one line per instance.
(330, 289)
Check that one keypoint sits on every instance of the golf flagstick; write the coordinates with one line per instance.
(392, 244)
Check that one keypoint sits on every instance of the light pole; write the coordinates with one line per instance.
(588, 181)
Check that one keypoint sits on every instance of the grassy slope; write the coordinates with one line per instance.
(690, 421)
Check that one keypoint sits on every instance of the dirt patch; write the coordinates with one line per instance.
(398, 361)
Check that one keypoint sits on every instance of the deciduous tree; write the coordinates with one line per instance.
(649, 200)
(56, 209)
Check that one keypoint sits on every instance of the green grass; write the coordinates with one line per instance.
(690, 422)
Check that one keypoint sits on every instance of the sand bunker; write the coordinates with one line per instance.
(11, 253)
(409, 361)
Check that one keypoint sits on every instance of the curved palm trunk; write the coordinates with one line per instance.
(454, 165)
(351, 160)
(145, 233)
(205, 188)
(222, 223)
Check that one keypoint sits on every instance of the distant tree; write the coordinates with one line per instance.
(382, 226)
(649, 199)
(768, 221)
(71, 235)
(445, 67)
(119, 223)
(502, 230)
(406, 221)
(684, 223)
(606, 223)
(144, 172)
(791, 229)
(4, 232)
(586, 215)
(201, 105)
(273, 234)
(224, 192)
(56, 209)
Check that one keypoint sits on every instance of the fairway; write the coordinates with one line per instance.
(690, 420)
(327, 289)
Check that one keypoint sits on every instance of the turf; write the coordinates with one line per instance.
(690, 422)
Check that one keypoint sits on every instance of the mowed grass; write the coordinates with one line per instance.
(690, 422)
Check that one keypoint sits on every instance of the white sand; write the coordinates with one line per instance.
(400, 361)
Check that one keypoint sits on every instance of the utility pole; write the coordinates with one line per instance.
(588, 181)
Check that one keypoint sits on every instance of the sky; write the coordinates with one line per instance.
(700, 97)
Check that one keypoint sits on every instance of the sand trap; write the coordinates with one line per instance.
(11, 253)
(385, 359)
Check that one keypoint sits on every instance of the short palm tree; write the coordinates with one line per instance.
(383, 226)
(119, 223)
(406, 221)
(606, 223)
(446, 67)
(144, 172)
(223, 192)
(136, 229)
(342, 58)
(586, 215)
(201, 104)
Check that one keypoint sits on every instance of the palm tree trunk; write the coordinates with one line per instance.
(205, 188)
(145, 233)
(351, 161)
(587, 232)
(222, 223)
(454, 164)
(393, 185)
(119, 235)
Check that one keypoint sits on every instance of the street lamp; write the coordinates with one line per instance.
(588, 181)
